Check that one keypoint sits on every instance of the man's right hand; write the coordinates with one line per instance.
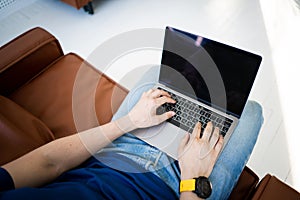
(197, 156)
(144, 115)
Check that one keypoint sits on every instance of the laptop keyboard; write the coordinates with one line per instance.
(189, 113)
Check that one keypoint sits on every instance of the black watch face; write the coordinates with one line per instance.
(203, 187)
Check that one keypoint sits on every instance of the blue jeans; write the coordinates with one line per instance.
(229, 164)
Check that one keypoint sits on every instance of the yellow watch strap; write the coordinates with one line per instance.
(187, 185)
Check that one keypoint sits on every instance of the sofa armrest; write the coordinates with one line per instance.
(271, 187)
(245, 186)
(25, 57)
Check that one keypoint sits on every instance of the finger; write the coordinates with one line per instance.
(163, 117)
(207, 131)
(214, 137)
(157, 93)
(183, 143)
(197, 131)
(161, 100)
(218, 146)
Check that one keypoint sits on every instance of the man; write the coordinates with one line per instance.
(128, 168)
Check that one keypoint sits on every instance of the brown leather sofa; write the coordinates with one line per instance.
(45, 95)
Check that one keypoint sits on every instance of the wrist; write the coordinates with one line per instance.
(125, 124)
(186, 175)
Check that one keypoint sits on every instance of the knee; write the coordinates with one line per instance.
(255, 106)
(255, 109)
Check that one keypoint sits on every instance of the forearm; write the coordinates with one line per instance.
(87, 143)
(95, 139)
(49, 161)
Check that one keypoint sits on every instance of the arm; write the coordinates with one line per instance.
(197, 156)
(47, 162)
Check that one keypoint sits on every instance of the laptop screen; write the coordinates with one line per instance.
(213, 73)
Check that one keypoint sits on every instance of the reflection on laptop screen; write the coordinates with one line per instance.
(203, 69)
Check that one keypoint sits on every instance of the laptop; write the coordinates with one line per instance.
(209, 80)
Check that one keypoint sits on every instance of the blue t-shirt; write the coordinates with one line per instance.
(94, 180)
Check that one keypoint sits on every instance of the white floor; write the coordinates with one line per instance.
(252, 25)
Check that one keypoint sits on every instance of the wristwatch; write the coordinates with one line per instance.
(201, 186)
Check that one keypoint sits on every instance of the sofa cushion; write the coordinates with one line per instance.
(20, 132)
(70, 96)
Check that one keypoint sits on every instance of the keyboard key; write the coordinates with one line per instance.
(207, 115)
(213, 117)
(190, 124)
(227, 124)
(228, 120)
(194, 120)
(180, 103)
(178, 118)
(202, 119)
(184, 115)
(202, 112)
(192, 107)
(160, 110)
(224, 129)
